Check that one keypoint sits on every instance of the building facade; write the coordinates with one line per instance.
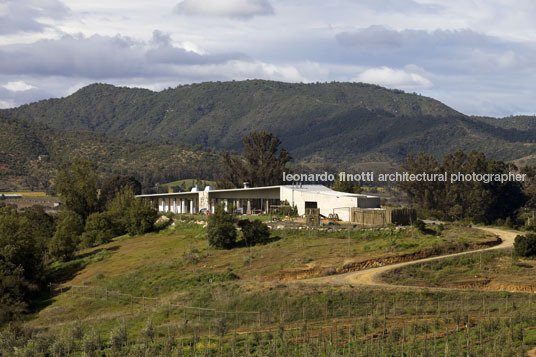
(264, 199)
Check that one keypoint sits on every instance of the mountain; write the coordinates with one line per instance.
(31, 152)
(341, 123)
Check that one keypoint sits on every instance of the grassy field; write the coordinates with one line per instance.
(129, 263)
(167, 293)
(186, 184)
(497, 270)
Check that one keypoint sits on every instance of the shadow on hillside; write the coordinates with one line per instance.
(242, 243)
(65, 271)
(61, 273)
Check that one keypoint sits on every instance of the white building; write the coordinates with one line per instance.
(260, 199)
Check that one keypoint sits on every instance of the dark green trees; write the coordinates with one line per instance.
(77, 184)
(479, 200)
(346, 186)
(99, 229)
(261, 164)
(22, 251)
(525, 246)
(254, 232)
(221, 230)
(111, 186)
(131, 214)
(69, 227)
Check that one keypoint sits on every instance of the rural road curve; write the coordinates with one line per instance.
(372, 277)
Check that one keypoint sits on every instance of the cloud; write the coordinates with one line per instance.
(18, 86)
(381, 37)
(28, 15)
(4, 104)
(442, 51)
(394, 78)
(225, 8)
(400, 6)
(100, 57)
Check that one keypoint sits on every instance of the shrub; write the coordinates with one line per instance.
(420, 225)
(254, 232)
(525, 246)
(141, 217)
(99, 229)
(91, 344)
(132, 215)
(118, 338)
(221, 231)
(69, 227)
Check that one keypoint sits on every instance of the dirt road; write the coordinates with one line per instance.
(372, 277)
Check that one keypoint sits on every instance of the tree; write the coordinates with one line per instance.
(254, 232)
(479, 200)
(42, 224)
(112, 185)
(141, 217)
(346, 186)
(13, 290)
(99, 229)
(77, 184)
(525, 246)
(131, 214)
(221, 230)
(19, 244)
(21, 262)
(69, 227)
(262, 163)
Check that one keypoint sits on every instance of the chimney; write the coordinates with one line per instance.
(246, 184)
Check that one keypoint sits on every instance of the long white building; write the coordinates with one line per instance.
(260, 199)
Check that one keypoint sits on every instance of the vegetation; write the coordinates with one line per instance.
(254, 231)
(69, 228)
(260, 164)
(492, 270)
(112, 185)
(30, 154)
(346, 186)
(316, 122)
(477, 200)
(22, 256)
(525, 245)
(222, 304)
(77, 184)
(420, 225)
(100, 228)
(221, 230)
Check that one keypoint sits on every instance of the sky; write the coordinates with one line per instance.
(477, 56)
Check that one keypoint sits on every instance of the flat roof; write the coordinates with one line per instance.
(321, 189)
(167, 194)
(318, 189)
(216, 191)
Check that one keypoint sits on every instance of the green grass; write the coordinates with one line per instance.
(175, 267)
(481, 270)
(189, 182)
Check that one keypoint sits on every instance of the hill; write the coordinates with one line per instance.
(30, 153)
(339, 123)
(167, 293)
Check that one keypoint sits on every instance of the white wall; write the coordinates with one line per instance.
(327, 202)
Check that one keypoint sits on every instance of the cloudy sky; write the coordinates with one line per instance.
(478, 56)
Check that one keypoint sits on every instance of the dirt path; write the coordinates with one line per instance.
(532, 353)
(372, 277)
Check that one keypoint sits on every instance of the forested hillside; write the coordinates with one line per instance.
(323, 122)
(31, 152)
